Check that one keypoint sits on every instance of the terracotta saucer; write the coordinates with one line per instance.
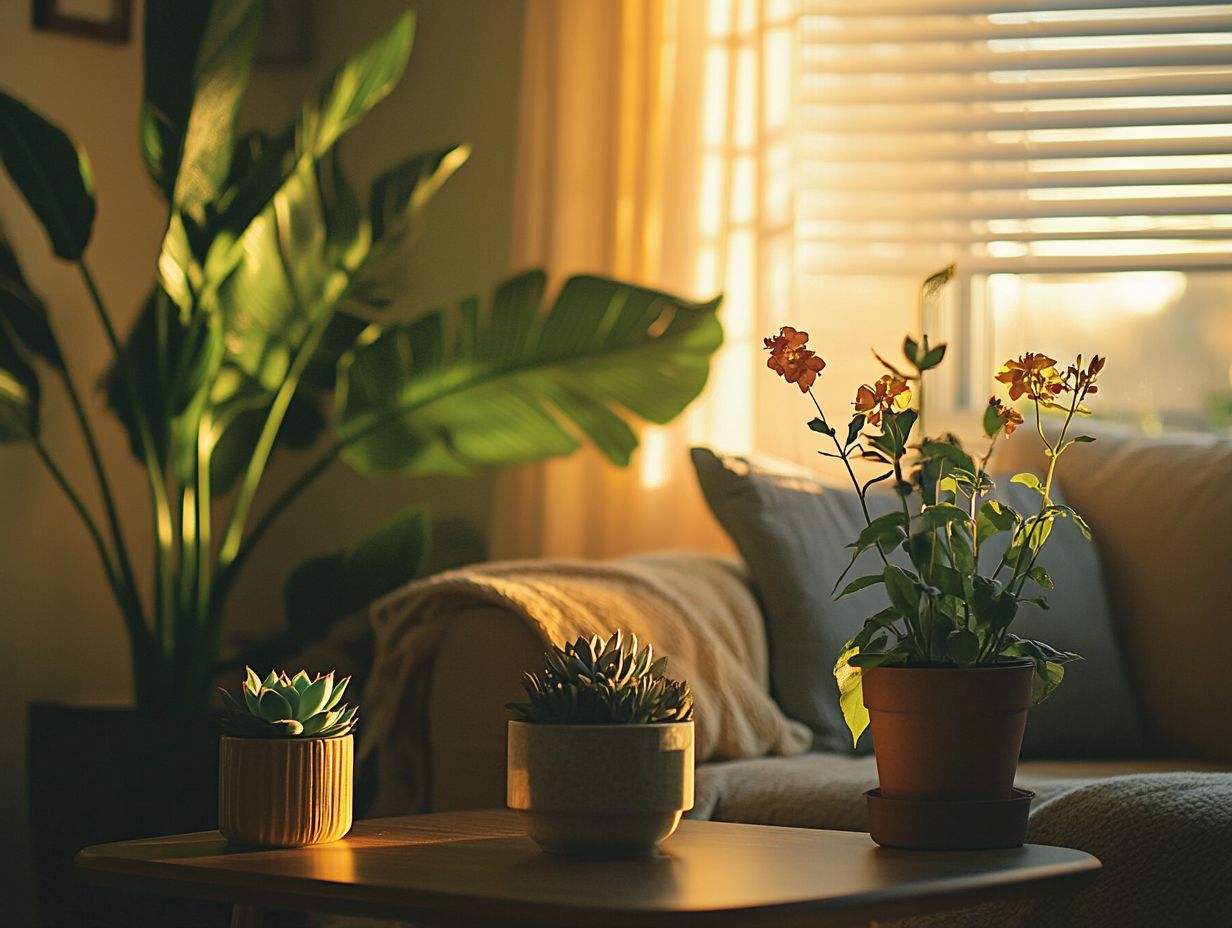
(949, 825)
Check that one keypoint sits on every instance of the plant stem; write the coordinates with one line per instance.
(164, 600)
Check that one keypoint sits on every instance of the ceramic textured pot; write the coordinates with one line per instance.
(285, 792)
(947, 742)
(600, 790)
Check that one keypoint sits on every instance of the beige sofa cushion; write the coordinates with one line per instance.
(1161, 511)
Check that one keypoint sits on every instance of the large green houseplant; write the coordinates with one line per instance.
(268, 326)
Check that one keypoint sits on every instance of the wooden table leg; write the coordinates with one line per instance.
(245, 916)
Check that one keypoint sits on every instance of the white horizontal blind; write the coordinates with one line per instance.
(1014, 136)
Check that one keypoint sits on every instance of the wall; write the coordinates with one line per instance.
(63, 637)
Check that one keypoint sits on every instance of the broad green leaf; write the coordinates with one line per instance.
(1040, 576)
(861, 583)
(324, 589)
(961, 550)
(993, 423)
(994, 517)
(932, 358)
(51, 173)
(19, 393)
(904, 592)
(934, 517)
(851, 695)
(284, 186)
(240, 407)
(172, 364)
(1038, 531)
(351, 92)
(1045, 680)
(23, 312)
(1028, 480)
(963, 646)
(396, 202)
(818, 424)
(994, 606)
(195, 76)
(886, 530)
(853, 428)
(948, 580)
(911, 350)
(949, 450)
(300, 257)
(1082, 524)
(458, 391)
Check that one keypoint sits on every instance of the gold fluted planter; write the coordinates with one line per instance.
(285, 792)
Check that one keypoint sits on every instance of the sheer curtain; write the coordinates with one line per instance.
(655, 145)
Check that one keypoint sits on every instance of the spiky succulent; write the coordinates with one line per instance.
(593, 682)
(294, 707)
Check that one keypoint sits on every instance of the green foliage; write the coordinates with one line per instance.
(597, 682)
(288, 707)
(944, 607)
(271, 326)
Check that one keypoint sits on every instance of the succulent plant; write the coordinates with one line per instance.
(288, 707)
(593, 682)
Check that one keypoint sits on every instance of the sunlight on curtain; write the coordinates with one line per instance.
(655, 146)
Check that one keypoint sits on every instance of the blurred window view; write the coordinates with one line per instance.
(1075, 160)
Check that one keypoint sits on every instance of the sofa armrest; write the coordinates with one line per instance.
(478, 669)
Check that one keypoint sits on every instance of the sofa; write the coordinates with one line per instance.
(1134, 766)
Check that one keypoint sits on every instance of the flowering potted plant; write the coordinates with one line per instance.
(938, 672)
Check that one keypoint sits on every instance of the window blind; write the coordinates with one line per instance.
(1015, 137)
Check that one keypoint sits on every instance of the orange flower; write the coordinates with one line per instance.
(1010, 417)
(1034, 376)
(887, 394)
(791, 358)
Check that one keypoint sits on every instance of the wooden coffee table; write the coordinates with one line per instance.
(478, 868)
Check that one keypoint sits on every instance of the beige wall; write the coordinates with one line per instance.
(63, 639)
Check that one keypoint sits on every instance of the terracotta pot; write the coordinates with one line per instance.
(600, 790)
(948, 733)
(285, 792)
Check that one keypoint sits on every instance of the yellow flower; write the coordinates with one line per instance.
(1034, 376)
(889, 393)
(791, 358)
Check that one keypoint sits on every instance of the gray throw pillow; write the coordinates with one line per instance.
(792, 530)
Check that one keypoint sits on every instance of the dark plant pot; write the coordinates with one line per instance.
(99, 775)
(947, 742)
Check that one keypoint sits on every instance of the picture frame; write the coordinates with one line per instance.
(105, 20)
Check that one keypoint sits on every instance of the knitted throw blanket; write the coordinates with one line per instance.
(696, 609)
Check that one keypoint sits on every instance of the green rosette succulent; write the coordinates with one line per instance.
(595, 682)
(288, 707)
